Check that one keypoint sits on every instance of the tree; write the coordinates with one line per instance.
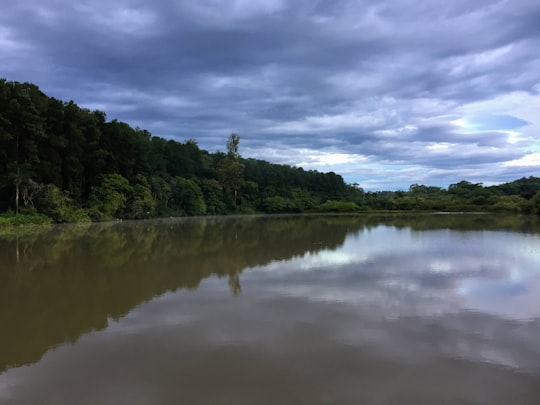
(275, 204)
(108, 200)
(187, 197)
(22, 129)
(536, 203)
(55, 204)
(232, 146)
(141, 203)
(213, 196)
(511, 203)
(231, 171)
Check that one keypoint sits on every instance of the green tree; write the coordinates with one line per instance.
(108, 199)
(161, 193)
(338, 206)
(187, 197)
(141, 203)
(231, 171)
(511, 203)
(22, 130)
(301, 200)
(536, 203)
(213, 196)
(276, 204)
(54, 203)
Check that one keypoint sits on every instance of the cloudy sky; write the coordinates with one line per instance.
(386, 93)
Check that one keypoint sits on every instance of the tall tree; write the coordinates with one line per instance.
(231, 170)
(25, 131)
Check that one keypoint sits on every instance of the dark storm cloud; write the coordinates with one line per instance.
(385, 80)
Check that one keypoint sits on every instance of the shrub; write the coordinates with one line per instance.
(338, 206)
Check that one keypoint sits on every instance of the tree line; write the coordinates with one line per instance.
(65, 163)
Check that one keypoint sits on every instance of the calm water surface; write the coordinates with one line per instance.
(324, 309)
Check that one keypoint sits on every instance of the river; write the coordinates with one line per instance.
(262, 309)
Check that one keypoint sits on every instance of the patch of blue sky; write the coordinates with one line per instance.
(495, 122)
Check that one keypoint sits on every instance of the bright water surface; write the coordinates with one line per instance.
(324, 309)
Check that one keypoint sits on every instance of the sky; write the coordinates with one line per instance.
(385, 93)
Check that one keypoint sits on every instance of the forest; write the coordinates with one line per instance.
(63, 163)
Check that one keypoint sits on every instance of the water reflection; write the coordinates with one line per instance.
(481, 294)
(327, 309)
(68, 280)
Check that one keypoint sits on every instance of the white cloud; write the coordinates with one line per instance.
(329, 122)
(440, 146)
(320, 159)
(460, 65)
(529, 160)
(519, 104)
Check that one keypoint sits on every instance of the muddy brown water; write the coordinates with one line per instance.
(256, 310)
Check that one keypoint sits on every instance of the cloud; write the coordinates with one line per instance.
(405, 89)
(530, 160)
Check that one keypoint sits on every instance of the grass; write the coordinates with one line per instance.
(10, 219)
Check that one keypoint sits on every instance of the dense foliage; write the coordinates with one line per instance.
(67, 163)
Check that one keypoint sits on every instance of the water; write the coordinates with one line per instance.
(323, 309)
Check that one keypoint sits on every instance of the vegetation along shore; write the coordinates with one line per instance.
(62, 163)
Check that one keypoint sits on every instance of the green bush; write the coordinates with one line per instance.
(108, 200)
(338, 206)
(276, 205)
(10, 219)
(187, 197)
(535, 203)
(512, 203)
(55, 204)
